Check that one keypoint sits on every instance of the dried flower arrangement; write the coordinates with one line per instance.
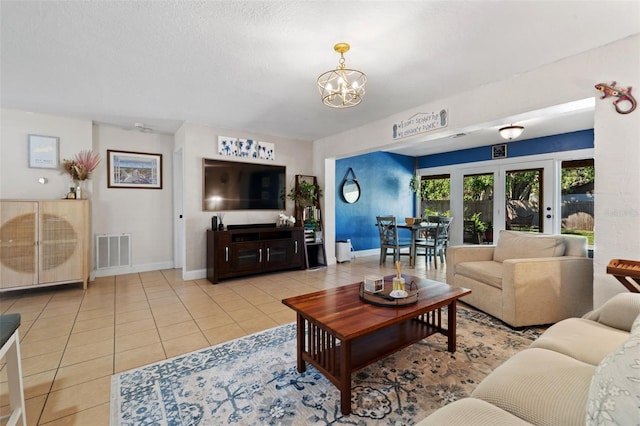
(81, 166)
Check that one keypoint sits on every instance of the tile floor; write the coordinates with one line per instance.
(72, 341)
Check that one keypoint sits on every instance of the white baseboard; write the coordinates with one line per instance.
(196, 274)
(105, 272)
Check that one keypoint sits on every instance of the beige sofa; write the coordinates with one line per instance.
(525, 279)
(580, 371)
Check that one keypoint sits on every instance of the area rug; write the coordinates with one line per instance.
(253, 380)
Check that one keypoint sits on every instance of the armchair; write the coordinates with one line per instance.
(526, 279)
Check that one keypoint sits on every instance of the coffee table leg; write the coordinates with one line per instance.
(451, 332)
(300, 331)
(345, 378)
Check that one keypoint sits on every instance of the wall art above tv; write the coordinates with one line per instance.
(235, 185)
(246, 148)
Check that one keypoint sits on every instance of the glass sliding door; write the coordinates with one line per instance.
(478, 192)
(577, 203)
(523, 198)
(435, 195)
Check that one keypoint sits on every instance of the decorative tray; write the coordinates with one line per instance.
(384, 298)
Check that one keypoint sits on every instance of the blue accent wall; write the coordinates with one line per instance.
(384, 190)
(384, 182)
(565, 142)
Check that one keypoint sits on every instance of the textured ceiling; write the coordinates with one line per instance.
(253, 65)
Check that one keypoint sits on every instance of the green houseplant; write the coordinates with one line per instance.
(306, 194)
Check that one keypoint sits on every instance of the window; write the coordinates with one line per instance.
(577, 202)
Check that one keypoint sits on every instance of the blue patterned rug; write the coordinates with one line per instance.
(253, 380)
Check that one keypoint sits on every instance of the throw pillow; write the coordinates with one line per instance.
(614, 393)
(523, 245)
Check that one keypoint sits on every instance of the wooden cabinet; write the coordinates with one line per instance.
(44, 242)
(238, 252)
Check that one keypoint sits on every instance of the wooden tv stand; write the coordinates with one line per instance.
(246, 251)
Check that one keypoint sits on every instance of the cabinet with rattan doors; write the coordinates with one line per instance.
(44, 242)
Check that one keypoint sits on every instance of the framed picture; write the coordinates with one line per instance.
(499, 151)
(134, 170)
(43, 152)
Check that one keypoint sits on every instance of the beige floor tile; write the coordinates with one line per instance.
(138, 357)
(223, 334)
(92, 336)
(135, 327)
(103, 311)
(92, 324)
(76, 354)
(77, 398)
(284, 317)
(257, 324)
(130, 316)
(34, 385)
(247, 314)
(164, 319)
(43, 333)
(184, 344)
(34, 407)
(271, 307)
(94, 416)
(83, 372)
(230, 305)
(40, 347)
(136, 340)
(40, 363)
(205, 310)
(177, 330)
(214, 321)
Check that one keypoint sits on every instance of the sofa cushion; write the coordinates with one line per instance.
(618, 312)
(471, 412)
(488, 272)
(523, 245)
(614, 393)
(582, 339)
(539, 386)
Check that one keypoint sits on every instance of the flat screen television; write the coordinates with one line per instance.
(234, 185)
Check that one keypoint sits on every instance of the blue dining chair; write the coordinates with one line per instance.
(389, 239)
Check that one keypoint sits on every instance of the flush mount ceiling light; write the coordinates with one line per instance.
(511, 132)
(342, 87)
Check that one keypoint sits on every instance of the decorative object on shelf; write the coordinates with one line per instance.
(373, 283)
(285, 220)
(499, 151)
(306, 193)
(138, 170)
(43, 151)
(620, 93)
(342, 87)
(79, 169)
(350, 187)
(220, 224)
(511, 132)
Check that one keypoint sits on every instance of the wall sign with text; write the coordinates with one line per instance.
(420, 122)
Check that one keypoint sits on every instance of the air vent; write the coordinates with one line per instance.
(113, 251)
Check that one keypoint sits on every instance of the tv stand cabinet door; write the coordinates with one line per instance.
(247, 257)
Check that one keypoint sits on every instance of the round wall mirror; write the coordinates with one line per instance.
(350, 190)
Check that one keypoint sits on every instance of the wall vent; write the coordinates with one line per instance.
(113, 251)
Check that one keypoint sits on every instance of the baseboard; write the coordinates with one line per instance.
(196, 274)
(105, 272)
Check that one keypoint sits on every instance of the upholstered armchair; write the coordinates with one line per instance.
(526, 279)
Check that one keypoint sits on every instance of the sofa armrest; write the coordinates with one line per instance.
(468, 253)
(618, 312)
(547, 288)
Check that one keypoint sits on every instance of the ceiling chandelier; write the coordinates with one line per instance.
(342, 87)
(511, 132)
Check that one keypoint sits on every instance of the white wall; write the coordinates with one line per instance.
(17, 180)
(146, 214)
(198, 142)
(617, 141)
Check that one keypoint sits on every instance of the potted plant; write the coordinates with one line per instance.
(414, 184)
(480, 226)
(488, 233)
(306, 194)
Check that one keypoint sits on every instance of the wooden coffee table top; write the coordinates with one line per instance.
(341, 310)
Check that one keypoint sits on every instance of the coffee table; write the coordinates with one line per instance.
(338, 333)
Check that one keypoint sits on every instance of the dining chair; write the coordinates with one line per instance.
(436, 240)
(389, 239)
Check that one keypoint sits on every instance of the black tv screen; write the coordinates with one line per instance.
(232, 185)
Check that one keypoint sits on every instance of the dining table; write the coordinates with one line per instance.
(416, 228)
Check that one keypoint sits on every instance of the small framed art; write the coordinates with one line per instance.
(499, 151)
(139, 170)
(43, 152)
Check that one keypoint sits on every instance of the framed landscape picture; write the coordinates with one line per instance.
(134, 170)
